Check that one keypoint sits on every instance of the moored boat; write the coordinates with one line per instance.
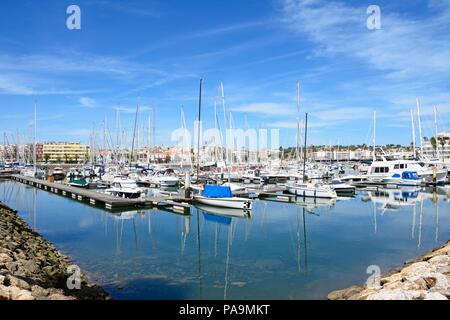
(220, 196)
(125, 188)
(312, 190)
(406, 178)
(58, 174)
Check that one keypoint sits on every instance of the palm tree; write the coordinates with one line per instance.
(442, 142)
(434, 145)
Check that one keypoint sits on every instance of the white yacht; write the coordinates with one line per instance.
(312, 190)
(406, 178)
(125, 188)
(164, 178)
(380, 170)
(342, 188)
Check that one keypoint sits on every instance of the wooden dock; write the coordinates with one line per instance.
(109, 202)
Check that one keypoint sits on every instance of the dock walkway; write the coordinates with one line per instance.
(108, 201)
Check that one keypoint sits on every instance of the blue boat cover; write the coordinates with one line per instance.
(410, 175)
(217, 192)
(217, 219)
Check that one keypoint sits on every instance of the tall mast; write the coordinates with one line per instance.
(436, 131)
(374, 135)
(199, 125)
(304, 150)
(298, 121)
(420, 126)
(224, 120)
(413, 133)
(216, 126)
(119, 134)
(34, 139)
(134, 133)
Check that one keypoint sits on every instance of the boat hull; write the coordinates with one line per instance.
(234, 203)
(312, 193)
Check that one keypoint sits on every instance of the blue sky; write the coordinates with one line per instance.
(158, 50)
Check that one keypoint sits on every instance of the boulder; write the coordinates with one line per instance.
(4, 258)
(16, 282)
(434, 296)
(344, 294)
(19, 294)
(39, 292)
(4, 293)
(60, 297)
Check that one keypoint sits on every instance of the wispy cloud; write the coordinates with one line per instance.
(405, 47)
(266, 109)
(87, 102)
(128, 8)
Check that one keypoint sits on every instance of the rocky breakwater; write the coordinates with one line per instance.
(425, 278)
(33, 269)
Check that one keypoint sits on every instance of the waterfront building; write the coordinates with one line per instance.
(65, 152)
(440, 149)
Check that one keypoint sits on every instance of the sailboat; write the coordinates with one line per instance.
(310, 190)
(34, 172)
(218, 196)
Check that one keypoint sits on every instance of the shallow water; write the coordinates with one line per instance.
(282, 251)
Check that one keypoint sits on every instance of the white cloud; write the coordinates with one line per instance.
(87, 102)
(266, 109)
(404, 47)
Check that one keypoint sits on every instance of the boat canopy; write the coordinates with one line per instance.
(217, 192)
(410, 175)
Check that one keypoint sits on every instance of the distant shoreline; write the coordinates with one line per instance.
(31, 268)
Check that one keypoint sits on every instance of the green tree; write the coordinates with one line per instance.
(433, 144)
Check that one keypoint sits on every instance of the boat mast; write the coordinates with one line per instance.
(304, 150)
(420, 126)
(413, 133)
(134, 133)
(374, 135)
(436, 131)
(198, 131)
(298, 122)
(224, 120)
(34, 140)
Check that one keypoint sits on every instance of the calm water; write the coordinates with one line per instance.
(283, 251)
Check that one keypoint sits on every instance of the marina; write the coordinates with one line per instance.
(238, 150)
(214, 253)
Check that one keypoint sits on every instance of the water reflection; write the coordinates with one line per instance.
(279, 250)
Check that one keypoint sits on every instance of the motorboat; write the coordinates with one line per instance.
(125, 188)
(406, 178)
(220, 196)
(254, 176)
(342, 188)
(79, 183)
(312, 190)
(58, 174)
(164, 178)
(380, 170)
(33, 173)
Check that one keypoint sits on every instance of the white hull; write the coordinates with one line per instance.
(312, 192)
(400, 182)
(235, 203)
